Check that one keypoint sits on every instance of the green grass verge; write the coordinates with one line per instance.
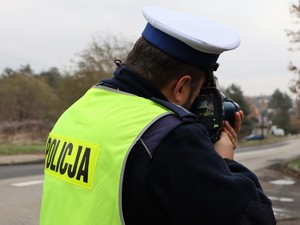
(292, 168)
(294, 165)
(14, 149)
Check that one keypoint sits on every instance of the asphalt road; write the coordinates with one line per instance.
(262, 157)
(21, 186)
(20, 199)
(283, 190)
(21, 170)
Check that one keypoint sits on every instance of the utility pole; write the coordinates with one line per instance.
(262, 125)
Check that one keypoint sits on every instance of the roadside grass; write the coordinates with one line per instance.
(15, 149)
(20, 148)
(24, 137)
(7, 148)
(293, 167)
(295, 164)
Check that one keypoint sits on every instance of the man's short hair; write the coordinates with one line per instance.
(158, 67)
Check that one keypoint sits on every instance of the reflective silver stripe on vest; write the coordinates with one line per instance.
(127, 154)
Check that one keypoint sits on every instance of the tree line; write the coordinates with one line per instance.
(26, 95)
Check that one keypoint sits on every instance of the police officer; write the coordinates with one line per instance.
(130, 152)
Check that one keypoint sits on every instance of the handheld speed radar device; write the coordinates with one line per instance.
(212, 108)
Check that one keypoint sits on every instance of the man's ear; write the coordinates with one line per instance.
(181, 90)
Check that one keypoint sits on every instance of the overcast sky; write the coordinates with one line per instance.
(48, 33)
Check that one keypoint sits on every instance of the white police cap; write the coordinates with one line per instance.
(194, 40)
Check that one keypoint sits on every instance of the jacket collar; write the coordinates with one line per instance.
(128, 81)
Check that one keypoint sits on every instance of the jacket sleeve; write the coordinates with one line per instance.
(258, 212)
(194, 185)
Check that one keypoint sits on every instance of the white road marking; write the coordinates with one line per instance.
(283, 214)
(28, 183)
(283, 182)
(284, 199)
(278, 210)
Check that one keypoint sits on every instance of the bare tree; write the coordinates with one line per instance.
(93, 64)
(294, 36)
(100, 54)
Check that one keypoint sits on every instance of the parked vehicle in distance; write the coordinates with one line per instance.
(254, 137)
(277, 132)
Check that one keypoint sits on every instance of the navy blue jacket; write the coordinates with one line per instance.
(185, 181)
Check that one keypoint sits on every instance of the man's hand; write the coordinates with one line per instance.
(228, 141)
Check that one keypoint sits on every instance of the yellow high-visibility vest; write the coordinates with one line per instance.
(86, 153)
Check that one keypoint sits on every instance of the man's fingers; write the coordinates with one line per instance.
(231, 134)
(238, 119)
